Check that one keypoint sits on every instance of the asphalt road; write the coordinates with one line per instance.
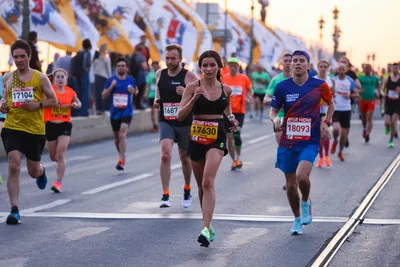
(109, 218)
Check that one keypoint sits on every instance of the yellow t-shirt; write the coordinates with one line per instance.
(18, 118)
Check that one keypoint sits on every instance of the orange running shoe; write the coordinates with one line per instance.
(333, 148)
(120, 165)
(234, 165)
(320, 162)
(239, 163)
(56, 187)
(328, 161)
(340, 156)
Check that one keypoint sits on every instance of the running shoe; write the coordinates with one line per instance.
(297, 228)
(120, 165)
(306, 214)
(333, 148)
(212, 233)
(340, 156)
(234, 165)
(366, 138)
(56, 187)
(13, 218)
(165, 201)
(391, 144)
(186, 198)
(320, 162)
(328, 162)
(239, 163)
(41, 181)
(204, 237)
(387, 130)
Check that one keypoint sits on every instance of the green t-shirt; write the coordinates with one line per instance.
(151, 81)
(368, 84)
(271, 89)
(260, 88)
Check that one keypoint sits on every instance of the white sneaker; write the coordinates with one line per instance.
(186, 198)
(165, 202)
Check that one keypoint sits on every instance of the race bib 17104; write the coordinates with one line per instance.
(20, 95)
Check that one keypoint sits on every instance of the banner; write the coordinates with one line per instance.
(204, 37)
(168, 26)
(124, 12)
(45, 20)
(111, 32)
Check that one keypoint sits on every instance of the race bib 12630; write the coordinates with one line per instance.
(171, 111)
(20, 95)
(120, 100)
(204, 132)
(298, 128)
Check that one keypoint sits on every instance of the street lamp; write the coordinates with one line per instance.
(26, 20)
(251, 33)
(321, 29)
(337, 31)
(264, 4)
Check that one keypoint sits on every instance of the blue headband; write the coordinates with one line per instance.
(301, 53)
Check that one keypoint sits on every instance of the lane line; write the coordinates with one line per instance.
(261, 138)
(222, 217)
(329, 252)
(120, 183)
(382, 221)
(52, 164)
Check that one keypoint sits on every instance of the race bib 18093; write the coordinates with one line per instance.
(298, 128)
(120, 100)
(20, 95)
(171, 111)
(204, 132)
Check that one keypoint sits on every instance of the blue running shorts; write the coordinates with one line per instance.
(287, 159)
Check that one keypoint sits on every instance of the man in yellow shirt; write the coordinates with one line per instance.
(27, 92)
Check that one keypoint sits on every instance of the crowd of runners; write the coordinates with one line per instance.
(204, 115)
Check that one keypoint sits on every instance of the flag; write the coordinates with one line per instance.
(204, 37)
(110, 30)
(45, 20)
(124, 12)
(7, 34)
(169, 26)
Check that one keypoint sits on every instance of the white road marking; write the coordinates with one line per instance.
(113, 185)
(259, 139)
(52, 164)
(222, 217)
(243, 236)
(85, 232)
(381, 221)
(46, 206)
(15, 262)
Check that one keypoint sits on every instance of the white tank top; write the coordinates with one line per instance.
(328, 80)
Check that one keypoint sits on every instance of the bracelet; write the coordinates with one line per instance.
(327, 123)
(231, 117)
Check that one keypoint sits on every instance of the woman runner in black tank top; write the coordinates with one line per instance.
(207, 100)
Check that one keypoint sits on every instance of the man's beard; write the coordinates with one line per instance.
(121, 73)
(173, 67)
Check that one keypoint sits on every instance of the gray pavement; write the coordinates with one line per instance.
(106, 218)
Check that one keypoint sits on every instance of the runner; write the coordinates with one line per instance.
(171, 83)
(121, 87)
(392, 102)
(2, 118)
(345, 88)
(207, 100)
(323, 67)
(285, 74)
(370, 85)
(27, 92)
(261, 80)
(58, 124)
(300, 96)
(241, 93)
(151, 92)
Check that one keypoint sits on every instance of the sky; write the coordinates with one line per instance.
(368, 26)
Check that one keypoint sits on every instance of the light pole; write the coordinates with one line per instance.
(321, 29)
(26, 20)
(251, 33)
(373, 60)
(226, 30)
(263, 13)
(336, 33)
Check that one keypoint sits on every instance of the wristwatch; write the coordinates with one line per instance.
(231, 117)
(41, 105)
(327, 123)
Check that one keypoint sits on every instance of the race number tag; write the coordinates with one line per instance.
(259, 86)
(237, 90)
(204, 132)
(61, 111)
(171, 111)
(298, 128)
(20, 95)
(393, 95)
(153, 87)
(120, 100)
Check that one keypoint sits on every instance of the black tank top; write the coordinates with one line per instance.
(169, 99)
(203, 106)
(391, 85)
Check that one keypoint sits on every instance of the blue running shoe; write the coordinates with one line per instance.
(41, 181)
(13, 218)
(297, 228)
(306, 214)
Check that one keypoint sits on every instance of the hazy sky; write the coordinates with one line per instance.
(367, 26)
